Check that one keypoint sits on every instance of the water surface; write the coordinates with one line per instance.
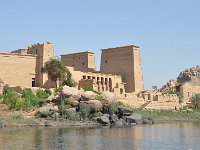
(167, 136)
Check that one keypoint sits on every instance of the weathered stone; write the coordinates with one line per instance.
(109, 95)
(48, 107)
(133, 118)
(75, 103)
(124, 111)
(81, 91)
(68, 91)
(50, 98)
(2, 123)
(119, 123)
(91, 104)
(113, 118)
(56, 116)
(146, 121)
(151, 119)
(104, 120)
(76, 97)
(88, 95)
(106, 109)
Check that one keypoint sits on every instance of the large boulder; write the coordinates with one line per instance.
(88, 95)
(76, 97)
(91, 104)
(119, 123)
(124, 111)
(147, 121)
(68, 91)
(109, 96)
(106, 109)
(103, 120)
(75, 103)
(47, 108)
(134, 118)
(113, 118)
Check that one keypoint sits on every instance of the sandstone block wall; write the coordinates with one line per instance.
(99, 81)
(83, 61)
(22, 67)
(124, 61)
(188, 90)
(17, 69)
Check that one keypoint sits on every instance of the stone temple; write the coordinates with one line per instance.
(120, 69)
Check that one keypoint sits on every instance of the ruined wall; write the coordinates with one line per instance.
(17, 69)
(83, 61)
(103, 82)
(159, 105)
(124, 61)
(188, 90)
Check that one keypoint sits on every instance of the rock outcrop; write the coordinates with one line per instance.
(191, 75)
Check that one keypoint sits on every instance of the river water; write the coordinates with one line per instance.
(165, 136)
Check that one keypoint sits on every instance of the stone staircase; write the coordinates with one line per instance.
(144, 105)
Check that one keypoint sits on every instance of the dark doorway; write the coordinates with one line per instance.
(33, 82)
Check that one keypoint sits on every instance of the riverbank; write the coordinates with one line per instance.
(16, 119)
(168, 115)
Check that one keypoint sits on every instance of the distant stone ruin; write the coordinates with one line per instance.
(186, 85)
(191, 75)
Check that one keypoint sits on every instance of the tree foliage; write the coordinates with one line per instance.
(68, 80)
(55, 70)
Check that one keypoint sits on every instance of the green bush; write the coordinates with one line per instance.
(115, 105)
(196, 101)
(43, 94)
(30, 99)
(44, 114)
(68, 101)
(84, 113)
(68, 80)
(12, 99)
(58, 89)
(91, 89)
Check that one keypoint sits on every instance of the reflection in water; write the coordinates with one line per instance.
(176, 135)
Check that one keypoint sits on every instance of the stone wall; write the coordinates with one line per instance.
(188, 90)
(124, 61)
(17, 69)
(99, 81)
(83, 61)
(22, 67)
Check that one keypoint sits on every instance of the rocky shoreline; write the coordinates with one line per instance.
(122, 117)
(41, 122)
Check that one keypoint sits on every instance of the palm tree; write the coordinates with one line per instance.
(55, 70)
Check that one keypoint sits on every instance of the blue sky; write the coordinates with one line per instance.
(168, 31)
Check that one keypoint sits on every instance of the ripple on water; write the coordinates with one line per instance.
(178, 135)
